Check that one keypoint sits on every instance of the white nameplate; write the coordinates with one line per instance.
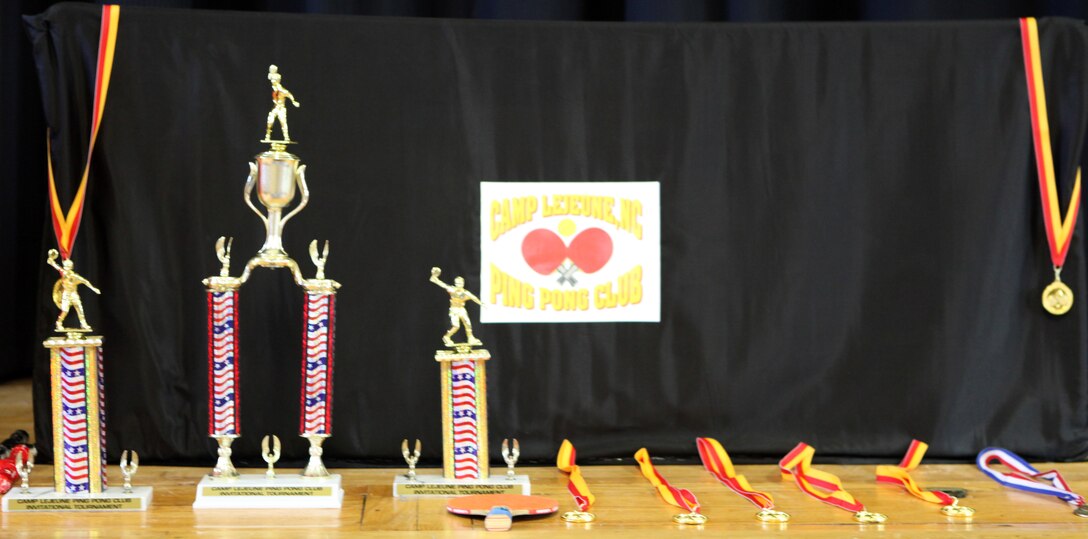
(47, 499)
(253, 491)
(437, 485)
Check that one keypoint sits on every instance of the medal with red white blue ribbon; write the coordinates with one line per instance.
(1025, 477)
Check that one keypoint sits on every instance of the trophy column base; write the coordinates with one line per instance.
(224, 468)
(48, 500)
(439, 486)
(315, 467)
(258, 491)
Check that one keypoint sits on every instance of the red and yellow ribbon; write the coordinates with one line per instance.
(1059, 230)
(823, 486)
(900, 475)
(66, 223)
(680, 497)
(576, 485)
(717, 462)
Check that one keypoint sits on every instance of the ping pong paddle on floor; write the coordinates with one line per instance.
(499, 510)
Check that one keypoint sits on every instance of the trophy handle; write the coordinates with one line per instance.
(250, 182)
(300, 179)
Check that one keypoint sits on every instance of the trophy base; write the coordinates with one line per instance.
(257, 491)
(439, 486)
(47, 500)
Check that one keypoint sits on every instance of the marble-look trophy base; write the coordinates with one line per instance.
(47, 499)
(439, 486)
(257, 491)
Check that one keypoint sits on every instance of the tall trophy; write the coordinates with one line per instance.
(77, 389)
(277, 177)
(464, 414)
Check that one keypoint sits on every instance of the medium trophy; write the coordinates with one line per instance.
(277, 177)
(464, 415)
(77, 389)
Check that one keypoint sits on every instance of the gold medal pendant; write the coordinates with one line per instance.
(581, 517)
(690, 519)
(1057, 298)
(866, 517)
(954, 509)
(770, 515)
(1081, 511)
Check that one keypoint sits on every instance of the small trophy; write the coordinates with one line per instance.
(411, 458)
(464, 412)
(278, 179)
(128, 469)
(271, 456)
(77, 389)
(510, 456)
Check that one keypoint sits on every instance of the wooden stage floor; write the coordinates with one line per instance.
(626, 505)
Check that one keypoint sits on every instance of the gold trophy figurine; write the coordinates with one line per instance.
(279, 111)
(458, 314)
(66, 293)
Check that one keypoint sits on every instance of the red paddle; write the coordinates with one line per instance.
(499, 510)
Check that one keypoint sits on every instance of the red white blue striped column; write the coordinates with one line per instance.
(223, 363)
(319, 316)
(79, 422)
(464, 414)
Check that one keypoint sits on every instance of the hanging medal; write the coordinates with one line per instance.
(1057, 296)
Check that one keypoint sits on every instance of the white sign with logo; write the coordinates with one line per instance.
(570, 252)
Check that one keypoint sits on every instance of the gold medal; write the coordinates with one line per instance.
(866, 517)
(581, 517)
(954, 509)
(1057, 298)
(770, 515)
(690, 519)
(1081, 511)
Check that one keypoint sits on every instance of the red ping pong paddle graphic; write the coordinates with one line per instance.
(590, 250)
(544, 250)
(501, 508)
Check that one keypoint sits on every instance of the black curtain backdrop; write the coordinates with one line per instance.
(22, 143)
(852, 247)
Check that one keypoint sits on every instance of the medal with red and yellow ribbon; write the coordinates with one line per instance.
(1057, 297)
(576, 485)
(680, 497)
(900, 475)
(66, 223)
(717, 462)
(824, 486)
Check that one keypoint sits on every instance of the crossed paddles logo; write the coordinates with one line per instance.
(547, 253)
